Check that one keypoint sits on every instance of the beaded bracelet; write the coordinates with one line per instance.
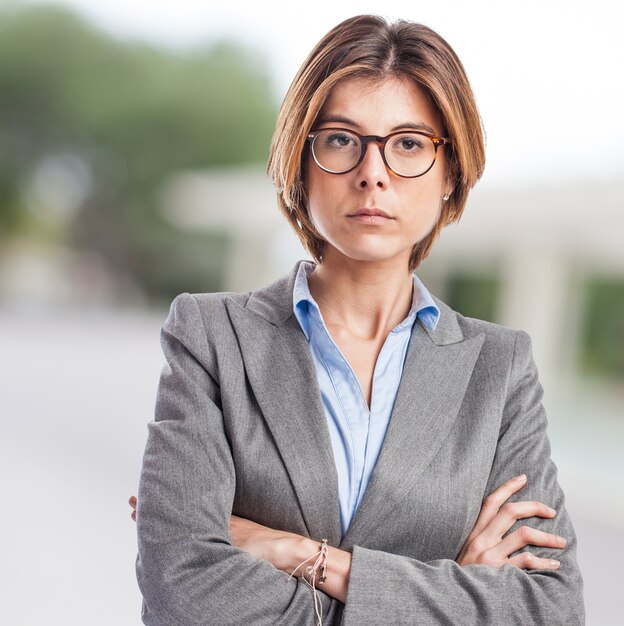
(323, 564)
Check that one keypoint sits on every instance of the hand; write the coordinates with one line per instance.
(133, 503)
(485, 545)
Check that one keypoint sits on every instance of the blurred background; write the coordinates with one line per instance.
(133, 143)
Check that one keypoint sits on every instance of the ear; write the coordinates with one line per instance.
(449, 186)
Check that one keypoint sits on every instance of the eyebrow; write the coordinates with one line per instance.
(345, 120)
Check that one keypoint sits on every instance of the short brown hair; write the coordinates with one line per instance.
(367, 46)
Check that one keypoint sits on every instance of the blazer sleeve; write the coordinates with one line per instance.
(188, 571)
(388, 588)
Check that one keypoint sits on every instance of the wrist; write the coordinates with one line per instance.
(295, 551)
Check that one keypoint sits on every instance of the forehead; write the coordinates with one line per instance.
(377, 106)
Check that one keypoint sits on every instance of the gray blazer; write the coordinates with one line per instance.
(240, 428)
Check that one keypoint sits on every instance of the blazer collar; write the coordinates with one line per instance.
(274, 303)
(283, 378)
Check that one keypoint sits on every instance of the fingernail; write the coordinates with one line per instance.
(562, 541)
(553, 511)
(555, 563)
(521, 478)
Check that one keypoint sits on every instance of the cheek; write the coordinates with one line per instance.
(311, 186)
(421, 211)
(322, 199)
(423, 201)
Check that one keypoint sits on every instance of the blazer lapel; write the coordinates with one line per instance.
(283, 377)
(437, 369)
(281, 372)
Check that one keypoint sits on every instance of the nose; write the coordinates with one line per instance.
(372, 171)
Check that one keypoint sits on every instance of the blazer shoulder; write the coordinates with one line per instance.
(492, 330)
(209, 300)
(199, 323)
(209, 306)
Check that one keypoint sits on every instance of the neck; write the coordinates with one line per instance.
(366, 299)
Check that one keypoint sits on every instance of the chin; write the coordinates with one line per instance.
(374, 255)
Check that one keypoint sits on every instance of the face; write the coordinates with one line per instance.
(412, 204)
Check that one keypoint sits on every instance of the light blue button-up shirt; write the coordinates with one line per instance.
(356, 433)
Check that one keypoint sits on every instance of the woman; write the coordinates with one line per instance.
(343, 419)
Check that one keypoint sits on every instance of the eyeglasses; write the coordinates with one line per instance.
(407, 153)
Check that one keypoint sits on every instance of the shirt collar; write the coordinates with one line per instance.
(423, 305)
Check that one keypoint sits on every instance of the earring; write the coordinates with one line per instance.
(446, 197)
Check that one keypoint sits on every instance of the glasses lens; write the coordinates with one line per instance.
(410, 154)
(336, 150)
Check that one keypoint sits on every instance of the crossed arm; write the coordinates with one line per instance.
(485, 544)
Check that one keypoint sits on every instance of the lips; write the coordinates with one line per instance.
(371, 211)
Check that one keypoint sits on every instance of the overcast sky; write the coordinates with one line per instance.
(547, 75)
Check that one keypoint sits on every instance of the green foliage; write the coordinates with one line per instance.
(135, 114)
(474, 295)
(602, 338)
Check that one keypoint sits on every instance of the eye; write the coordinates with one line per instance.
(338, 140)
(408, 143)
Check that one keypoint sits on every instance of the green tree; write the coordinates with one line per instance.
(134, 115)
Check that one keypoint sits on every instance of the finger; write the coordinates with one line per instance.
(132, 501)
(525, 536)
(526, 560)
(133, 516)
(494, 501)
(510, 513)
(489, 510)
